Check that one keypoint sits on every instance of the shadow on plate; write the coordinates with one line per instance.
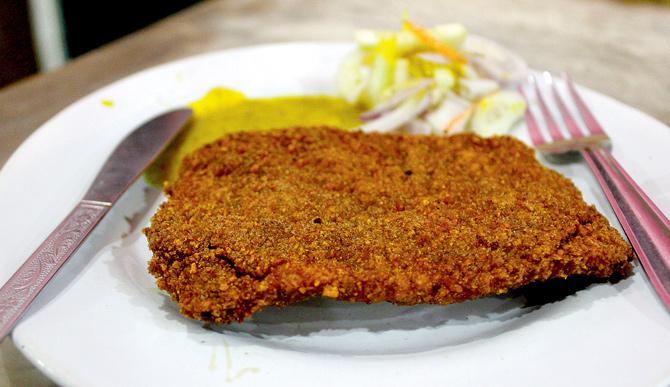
(317, 314)
(346, 328)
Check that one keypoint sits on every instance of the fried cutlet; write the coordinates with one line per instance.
(260, 219)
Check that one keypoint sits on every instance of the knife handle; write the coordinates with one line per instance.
(22, 288)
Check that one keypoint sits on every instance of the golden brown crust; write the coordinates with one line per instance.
(258, 219)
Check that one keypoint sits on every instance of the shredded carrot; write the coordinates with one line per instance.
(465, 113)
(460, 116)
(433, 43)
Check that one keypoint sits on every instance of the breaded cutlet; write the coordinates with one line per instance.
(260, 219)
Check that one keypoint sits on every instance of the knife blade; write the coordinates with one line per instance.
(126, 163)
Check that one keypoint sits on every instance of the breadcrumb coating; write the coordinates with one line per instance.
(273, 218)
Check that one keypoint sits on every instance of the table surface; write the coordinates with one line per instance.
(621, 49)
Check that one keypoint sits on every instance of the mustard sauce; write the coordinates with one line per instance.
(222, 111)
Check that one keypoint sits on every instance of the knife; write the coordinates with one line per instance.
(124, 166)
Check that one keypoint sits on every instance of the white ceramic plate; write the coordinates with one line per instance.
(102, 321)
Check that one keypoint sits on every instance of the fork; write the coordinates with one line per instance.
(644, 224)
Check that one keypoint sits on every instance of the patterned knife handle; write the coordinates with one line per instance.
(17, 294)
(645, 225)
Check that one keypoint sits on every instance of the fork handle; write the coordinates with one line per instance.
(645, 225)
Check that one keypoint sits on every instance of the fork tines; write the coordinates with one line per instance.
(564, 135)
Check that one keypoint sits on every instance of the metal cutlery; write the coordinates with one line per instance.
(647, 228)
(124, 166)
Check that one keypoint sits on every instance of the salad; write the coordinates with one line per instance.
(432, 81)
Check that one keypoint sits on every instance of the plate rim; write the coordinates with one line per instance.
(25, 146)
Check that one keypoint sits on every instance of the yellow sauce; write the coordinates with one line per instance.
(224, 111)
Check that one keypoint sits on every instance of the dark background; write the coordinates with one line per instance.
(88, 25)
(16, 48)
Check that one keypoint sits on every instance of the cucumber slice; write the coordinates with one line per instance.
(497, 113)
(351, 79)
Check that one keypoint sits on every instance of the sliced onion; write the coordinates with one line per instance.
(398, 117)
(418, 126)
(445, 113)
(494, 61)
(395, 100)
(508, 72)
(488, 68)
(474, 89)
